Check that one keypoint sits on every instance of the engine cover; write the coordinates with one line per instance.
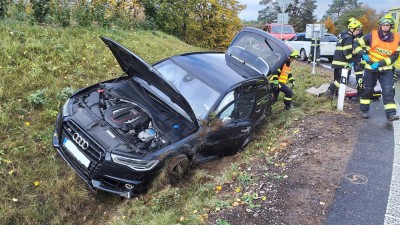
(120, 115)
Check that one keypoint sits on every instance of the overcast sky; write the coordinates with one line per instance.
(251, 12)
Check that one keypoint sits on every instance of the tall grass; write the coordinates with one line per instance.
(39, 67)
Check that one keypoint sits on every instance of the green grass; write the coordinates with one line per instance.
(39, 68)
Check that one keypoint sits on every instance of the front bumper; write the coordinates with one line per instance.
(101, 172)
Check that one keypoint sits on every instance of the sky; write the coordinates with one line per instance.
(251, 12)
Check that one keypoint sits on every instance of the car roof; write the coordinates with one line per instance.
(211, 68)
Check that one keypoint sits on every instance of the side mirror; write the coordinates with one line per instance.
(225, 121)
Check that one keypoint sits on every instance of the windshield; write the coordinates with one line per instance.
(200, 96)
(285, 29)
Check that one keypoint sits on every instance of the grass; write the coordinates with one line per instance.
(39, 68)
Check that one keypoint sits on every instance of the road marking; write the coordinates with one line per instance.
(356, 178)
(392, 216)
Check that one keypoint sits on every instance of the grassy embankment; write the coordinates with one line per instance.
(39, 67)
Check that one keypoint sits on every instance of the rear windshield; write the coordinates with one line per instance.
(286, 29)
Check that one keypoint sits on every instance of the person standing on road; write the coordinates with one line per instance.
(381, 51)
(279, 82)
(315, 44)
(343, 55)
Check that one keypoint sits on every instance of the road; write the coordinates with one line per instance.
(369, 193)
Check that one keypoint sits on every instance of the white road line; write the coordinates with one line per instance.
(392, 216)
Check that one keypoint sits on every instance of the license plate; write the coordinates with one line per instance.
(71, 148)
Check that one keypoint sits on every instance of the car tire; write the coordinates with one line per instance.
(303, 55)
(176, 167)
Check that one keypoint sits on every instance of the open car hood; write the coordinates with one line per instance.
(134, 66)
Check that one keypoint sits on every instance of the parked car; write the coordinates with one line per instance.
(184, 110)
(280, 31)
(303, 45)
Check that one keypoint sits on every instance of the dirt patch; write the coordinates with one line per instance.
(299, 185)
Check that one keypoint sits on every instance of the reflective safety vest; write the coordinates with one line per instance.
(381, 50)
(285, 71)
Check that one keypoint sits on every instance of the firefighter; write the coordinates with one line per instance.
(279, 82)
(381, 51)
(343, 55)
(315, 43)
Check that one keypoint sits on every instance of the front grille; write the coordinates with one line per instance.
(94, 153)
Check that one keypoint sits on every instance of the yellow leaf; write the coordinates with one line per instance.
(218, 188)
(27, 124)
(36, 183)
(296, 131)
(238, 200)
(1, 67)
(6, 161)
(235, 204)
(195, 211)
(237, 190)
(217, 209)
(123, 217)
(283, 164)
(276, 164)
(181, 218)
(263, 198)
(15, 199)
(11, 172)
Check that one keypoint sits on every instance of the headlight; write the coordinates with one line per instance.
(65, 108)
(136, 164)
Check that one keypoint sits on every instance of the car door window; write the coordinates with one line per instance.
(237, 107)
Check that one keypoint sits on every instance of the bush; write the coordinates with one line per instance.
(41, 9)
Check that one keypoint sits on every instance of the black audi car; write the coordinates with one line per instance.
(118, 135)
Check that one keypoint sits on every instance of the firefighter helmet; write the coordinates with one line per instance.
(294, 54)
(387, 20)
(354, 24)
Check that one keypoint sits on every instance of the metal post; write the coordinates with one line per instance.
(314, 34)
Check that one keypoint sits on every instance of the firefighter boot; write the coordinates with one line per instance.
(364, 114)
(392, 117)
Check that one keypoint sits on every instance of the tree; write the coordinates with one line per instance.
(270, 13)
(40, 9)
(301, 13)
(330, 25)
(3, 8)
(339, 7)
(365, 14)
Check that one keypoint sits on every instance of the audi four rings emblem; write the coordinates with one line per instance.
(80, 141)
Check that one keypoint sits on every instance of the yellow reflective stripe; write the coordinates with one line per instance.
(365, 101)
(367, 66)
(291, 78)
(346, 47)
(349, 56)
(361, 42)
(390, 106)
(357, 50)
(289, 99)
(377, 94)
(339, 63)
(359, 73)
(368, 48)
(388, 61)
(336, 83)
(376, 57)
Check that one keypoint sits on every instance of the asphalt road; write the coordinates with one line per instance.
(369, 193)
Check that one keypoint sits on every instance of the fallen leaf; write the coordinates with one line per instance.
(235, 204)
(36, 183)
(15, 199)
(27, 124)
(322, 203)
(123, 217)
(195, 211)
(237, 190)
(218, 188)
(263, 198)
(181, 219)
(10, 172)
(283, 164)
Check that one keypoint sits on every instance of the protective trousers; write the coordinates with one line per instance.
(287, 100)
(337, 74)
(386, 80)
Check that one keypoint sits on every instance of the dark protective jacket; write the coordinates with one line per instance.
(344, 51)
